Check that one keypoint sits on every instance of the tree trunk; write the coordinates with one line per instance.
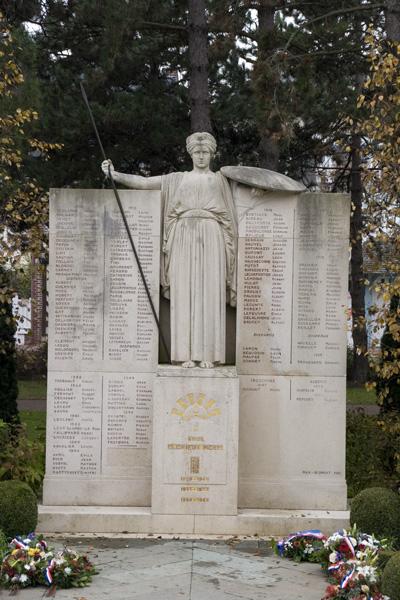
(392, 14)
(359, 372)
(198, 59)
(269, 125)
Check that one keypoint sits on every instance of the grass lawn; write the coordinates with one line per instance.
(32, 389)
(35, 422)
(359, 395)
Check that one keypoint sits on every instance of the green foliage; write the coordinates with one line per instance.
(383, 558)
(18, 508)
(130, 72)
(391, 578)
(23, 204)
(8, 376)
(31, 361)
(377, 511)
(21, 458)
(3, 544)
(369, 454)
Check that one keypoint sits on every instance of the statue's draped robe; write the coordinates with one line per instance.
(198, 270)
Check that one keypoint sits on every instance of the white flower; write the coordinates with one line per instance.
(367, 572)
(14, 579)
(59, 561)
(23, 578)
(353, 541)
(68, 570)
(27, 567)
(333, 557)
(32, 566)
(365, 589)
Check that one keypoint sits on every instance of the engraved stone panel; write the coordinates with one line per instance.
(103, 347)
(292, 283)
(99, 317)
(291, 348)
(292, 442)
(195, 449)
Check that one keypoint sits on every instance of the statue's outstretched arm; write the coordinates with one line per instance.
(135, 182)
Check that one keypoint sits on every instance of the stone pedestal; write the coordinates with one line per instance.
(195, 441)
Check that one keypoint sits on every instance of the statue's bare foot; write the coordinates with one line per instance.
(206, 364)
(188, 364)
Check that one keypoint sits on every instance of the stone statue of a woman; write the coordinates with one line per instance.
(198, 272)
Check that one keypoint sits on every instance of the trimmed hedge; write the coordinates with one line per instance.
(391, 578)
(18, 508)
(377, 511)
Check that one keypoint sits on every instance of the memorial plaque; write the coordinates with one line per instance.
(292, 442)
(100, 317)
(103, 347)
(74, 425)
(195, 441)
(291, 348)
(292, 291)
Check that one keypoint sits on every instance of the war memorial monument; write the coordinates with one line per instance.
(243, 430)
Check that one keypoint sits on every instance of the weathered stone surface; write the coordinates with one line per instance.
(99, 318)
(103, 348)
(195, 441)
(292, 292)
(291, 348)
(292, 442)
(263, 179)
(117, 519)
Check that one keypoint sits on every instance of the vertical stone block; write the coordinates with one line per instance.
(103, 348)
(291, 348)
(195, 441)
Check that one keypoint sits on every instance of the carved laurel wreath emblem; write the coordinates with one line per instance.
(195, 406)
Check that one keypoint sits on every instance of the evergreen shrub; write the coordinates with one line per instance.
(18, 508)
(370, 453)
(377, 511)
(391, 578)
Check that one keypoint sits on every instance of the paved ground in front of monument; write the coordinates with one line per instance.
(156, 569)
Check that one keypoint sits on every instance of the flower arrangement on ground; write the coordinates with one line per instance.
(304, 546)
(350, 559)
(30, 562)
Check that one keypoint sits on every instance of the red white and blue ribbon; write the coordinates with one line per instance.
(19, 544)
(315, 534)
(49, 571)
(349, 544)
(336, 566)
(346, 580)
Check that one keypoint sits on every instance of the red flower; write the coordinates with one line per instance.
(331, 591)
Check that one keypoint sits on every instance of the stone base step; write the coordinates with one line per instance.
(139, 520)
